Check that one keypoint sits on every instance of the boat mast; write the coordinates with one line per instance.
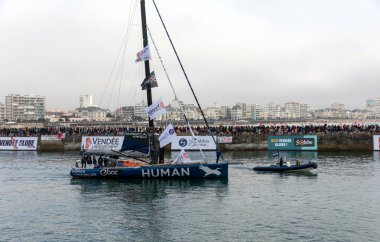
(148, 90)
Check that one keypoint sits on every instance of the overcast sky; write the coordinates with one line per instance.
(253, 51)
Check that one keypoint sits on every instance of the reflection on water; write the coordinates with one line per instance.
(310, 174)
(294, 154)
(148, 207)
(147, 190)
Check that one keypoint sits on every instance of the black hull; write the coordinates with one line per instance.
(277, 168)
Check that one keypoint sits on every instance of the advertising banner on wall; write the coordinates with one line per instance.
(188, 143)
(224, 139)
(57, 137)
(102, 142)
(302, 142)
(18, 143)
(376, 142)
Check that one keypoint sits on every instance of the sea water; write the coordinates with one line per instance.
(339, 201)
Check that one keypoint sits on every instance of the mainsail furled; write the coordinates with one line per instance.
(135, 141)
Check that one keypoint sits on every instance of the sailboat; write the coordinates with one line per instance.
(144, 159)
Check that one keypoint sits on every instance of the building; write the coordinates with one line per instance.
(373, 105)
(256, 111)
(92, 114)
(125, 113)
(24, 107)
(323, 113)
(192, 112)
(140, 111)
(225, 112)
(2, 112)
(85, 101)
(338, 110)
(372, 102)
(274, 111)
(236, 112)
(292, 110)
(212, 113)
(304, 110)
(54, 116)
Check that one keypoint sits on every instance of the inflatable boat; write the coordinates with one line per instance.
(286, 167)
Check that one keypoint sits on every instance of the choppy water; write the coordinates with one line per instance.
(339, 202)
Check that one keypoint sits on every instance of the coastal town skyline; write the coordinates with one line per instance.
(255, 52)
(19, 108)
(93, 102)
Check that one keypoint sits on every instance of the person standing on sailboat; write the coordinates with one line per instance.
(218, 154)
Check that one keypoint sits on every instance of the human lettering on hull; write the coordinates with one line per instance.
(77, 171)
(162, 172)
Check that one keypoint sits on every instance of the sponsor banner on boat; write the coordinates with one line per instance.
(302, 142)
(376, 142)
(102, 142)
(188, 143)
(18, 143)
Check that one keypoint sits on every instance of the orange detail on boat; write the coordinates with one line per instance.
(131, 163)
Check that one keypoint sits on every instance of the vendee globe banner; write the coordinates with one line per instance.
(188, 143)
(18, 143)
(102, 142)
(376, 142)
(302, 142)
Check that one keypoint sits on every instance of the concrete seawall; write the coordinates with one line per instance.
(246, 142)
(326, 142)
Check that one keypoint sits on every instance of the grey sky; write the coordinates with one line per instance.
(310, 51)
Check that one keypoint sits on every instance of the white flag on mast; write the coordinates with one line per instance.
(167, 136)
(156, 109)
(182, 158)
(143, 55)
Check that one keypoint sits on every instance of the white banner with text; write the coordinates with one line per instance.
(188, 143)
(18, 143)
(102, 142)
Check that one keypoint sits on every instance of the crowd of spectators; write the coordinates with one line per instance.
(272, 129)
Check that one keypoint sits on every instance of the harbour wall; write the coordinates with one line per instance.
(326, 142)
(244, 142)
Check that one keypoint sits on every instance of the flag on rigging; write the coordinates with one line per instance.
(149, 82)
(167, 136)
(182, 158)
(157, 108)
(143, 55)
